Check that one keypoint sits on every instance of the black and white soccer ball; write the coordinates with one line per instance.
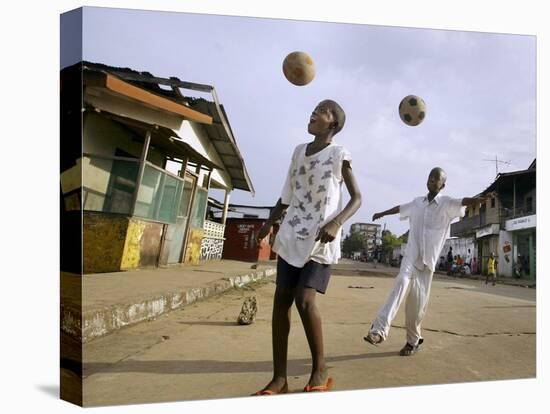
(412, 110)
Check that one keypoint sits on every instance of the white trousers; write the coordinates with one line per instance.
(414, 285)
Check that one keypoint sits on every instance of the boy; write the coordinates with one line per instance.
(430, 217)
(308, 240)
(491, 269)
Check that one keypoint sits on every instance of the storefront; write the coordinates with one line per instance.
(524, 233)
(487, 239)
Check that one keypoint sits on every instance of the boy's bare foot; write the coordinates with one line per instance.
(277, 385)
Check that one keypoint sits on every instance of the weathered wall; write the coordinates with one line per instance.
(193, 251)
(142, 246)
(240, 240)
(104, 239)
(492, 213)
(150, 244)
(113, 243)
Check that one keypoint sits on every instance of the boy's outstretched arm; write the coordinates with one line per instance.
(275, 215)
(471, 201)
(329, 231)
(393, 210)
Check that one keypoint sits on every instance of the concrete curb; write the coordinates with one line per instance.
(96, 323)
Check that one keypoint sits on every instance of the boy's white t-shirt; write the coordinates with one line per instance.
(313, 193)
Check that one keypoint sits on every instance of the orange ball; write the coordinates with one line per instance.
(298, 68)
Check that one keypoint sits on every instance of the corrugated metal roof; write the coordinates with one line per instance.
(505, 178)
(224, 141)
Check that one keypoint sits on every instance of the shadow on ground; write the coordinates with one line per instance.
(296, 367)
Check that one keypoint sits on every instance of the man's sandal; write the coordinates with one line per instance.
(373, 338)
(409, 349)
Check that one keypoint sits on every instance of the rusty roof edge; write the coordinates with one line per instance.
(134, 75)
(124, 77)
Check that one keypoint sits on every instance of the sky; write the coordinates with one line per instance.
(479, 88)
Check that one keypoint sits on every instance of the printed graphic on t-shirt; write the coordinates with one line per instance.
(318, 206)
(303, 232)
(294, 221)
(313, 164)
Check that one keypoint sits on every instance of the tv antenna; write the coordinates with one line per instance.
(497, 162)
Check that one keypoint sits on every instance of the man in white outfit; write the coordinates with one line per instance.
(430, 217)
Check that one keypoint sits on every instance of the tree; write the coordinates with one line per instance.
(354, 242)
(389, 242)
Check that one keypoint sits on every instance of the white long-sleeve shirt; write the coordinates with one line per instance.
(429, 226)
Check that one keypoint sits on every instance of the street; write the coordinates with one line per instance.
(472, 331)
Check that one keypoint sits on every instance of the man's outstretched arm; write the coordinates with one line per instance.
(394, 210)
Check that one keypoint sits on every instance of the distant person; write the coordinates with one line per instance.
(430, 217)
(308, 240)
(474, 266)
(459, 268)
(518, 268)
(454, 264)
(525, 264)
(449, 258)
(491, 269)
(468, 260)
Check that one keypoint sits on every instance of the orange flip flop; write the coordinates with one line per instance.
(320, 388)
(284, 390)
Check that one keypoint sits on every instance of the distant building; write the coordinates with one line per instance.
(243, 223)
(373, 235)
(215, 210)
(505, 225)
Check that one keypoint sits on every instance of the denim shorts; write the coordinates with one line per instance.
(313, 275)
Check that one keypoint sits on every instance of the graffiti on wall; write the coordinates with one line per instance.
(211, 248)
